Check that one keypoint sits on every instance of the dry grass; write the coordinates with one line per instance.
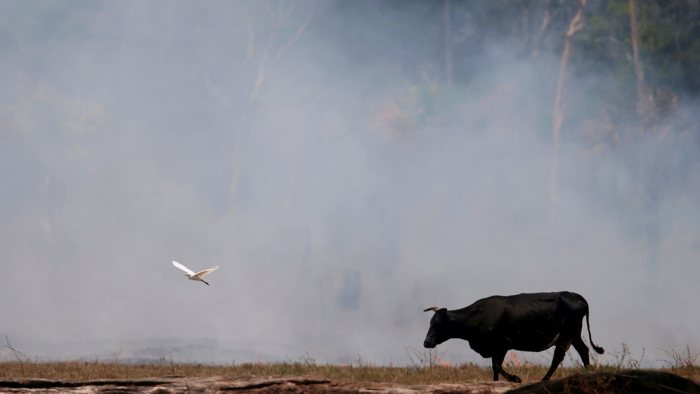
(683, 364)
(427, 368)
(80, 370)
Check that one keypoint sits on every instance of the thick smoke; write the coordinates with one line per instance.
(318, 157)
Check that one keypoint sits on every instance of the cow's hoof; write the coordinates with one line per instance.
(515, 379)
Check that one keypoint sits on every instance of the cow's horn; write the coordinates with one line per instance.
(432, 308)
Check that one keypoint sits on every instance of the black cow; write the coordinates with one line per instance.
(528, 322)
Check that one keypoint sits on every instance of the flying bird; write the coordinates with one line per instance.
(190, 274)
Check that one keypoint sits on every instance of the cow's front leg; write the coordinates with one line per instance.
(559, 353)
(496, 362)
(497, 366)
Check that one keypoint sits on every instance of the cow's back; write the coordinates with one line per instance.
(529, 321)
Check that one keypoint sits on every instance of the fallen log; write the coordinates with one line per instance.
(239, 384)
(633, 381)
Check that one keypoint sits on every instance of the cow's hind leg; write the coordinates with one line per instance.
(559, 353)
(582, 350)
(497, 366)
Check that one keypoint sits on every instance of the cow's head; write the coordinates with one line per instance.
(440, 328)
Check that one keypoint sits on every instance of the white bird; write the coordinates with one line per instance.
(198, 276)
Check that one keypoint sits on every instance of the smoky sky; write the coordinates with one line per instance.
(313, 151)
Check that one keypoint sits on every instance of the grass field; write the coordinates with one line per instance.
(427, 368)
(466, 373)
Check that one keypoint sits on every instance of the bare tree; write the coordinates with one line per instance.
(280, 17)
(639, 71)
(546, 19)
(559, 106)
(448, 43)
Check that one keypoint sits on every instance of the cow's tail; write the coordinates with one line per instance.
(598, 349)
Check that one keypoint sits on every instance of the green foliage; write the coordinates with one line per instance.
(44, 23)
(668, 33)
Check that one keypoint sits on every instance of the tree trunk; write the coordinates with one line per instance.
(543, 28)
(241, 134)
(241, 384)
(559, 105)
(648, 178)
(448, 44)
(635, 51)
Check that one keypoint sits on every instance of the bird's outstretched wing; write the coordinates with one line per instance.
(182, 267)
(205, 272)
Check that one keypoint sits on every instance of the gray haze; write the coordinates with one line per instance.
(137, 133)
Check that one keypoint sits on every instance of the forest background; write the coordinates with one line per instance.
(347, 164)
